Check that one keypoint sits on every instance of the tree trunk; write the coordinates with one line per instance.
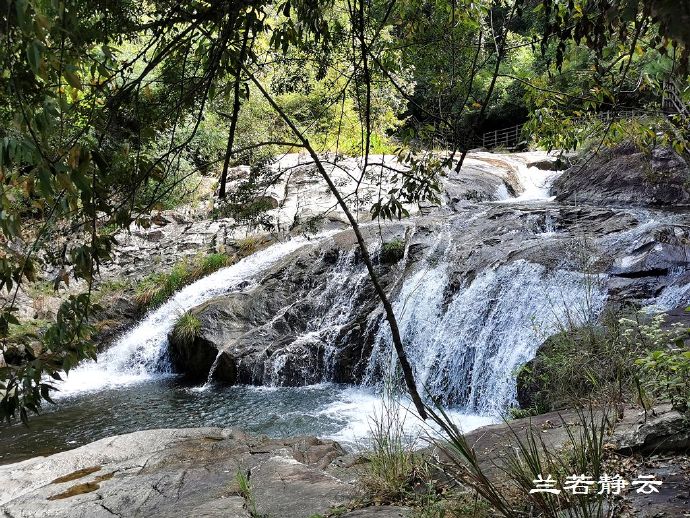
(235, 114)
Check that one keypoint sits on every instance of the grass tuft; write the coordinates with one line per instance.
(156, 288)
(187, 328)
(392, 251)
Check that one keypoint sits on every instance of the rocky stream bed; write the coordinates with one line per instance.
(466, 280)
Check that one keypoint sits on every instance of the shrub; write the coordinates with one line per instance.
(579, 362)
(187, 328)
(392, 251)
(666, 375)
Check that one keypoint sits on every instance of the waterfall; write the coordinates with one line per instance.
(466, 350)
(334, 307)
(141, 353)
(536, 183)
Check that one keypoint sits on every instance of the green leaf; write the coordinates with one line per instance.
(73, 79)
(33, 54)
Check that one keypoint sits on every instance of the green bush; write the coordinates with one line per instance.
(666, 375)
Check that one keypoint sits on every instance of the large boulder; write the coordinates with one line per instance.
(657, 431)
(291, 328)
(625, 175)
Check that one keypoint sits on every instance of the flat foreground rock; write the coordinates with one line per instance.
(188, 472)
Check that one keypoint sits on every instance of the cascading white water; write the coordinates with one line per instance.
(334, 308)
(468, 349)
(536, 183)
(140, 354)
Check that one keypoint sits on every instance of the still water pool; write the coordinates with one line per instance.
(340, 412)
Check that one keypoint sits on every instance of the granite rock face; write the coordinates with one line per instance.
(171, 473)
(627, 176)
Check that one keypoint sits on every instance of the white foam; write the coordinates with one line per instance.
(140, 354)
(360, 406)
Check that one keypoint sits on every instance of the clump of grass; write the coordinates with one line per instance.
(392, 461)
(156, 288)
(27, 328)
(248, 245)
(187, 328)
(109, 288)
(521, 413)
(246, 492)
(529, 458)
(398, 474)
(211, 263)
(393, 251)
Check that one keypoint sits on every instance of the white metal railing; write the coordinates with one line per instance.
(672, 99)
(672, 103)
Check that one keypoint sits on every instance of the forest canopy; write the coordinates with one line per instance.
(109, 110)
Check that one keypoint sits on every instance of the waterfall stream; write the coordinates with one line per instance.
(141, 353)
(467, 350)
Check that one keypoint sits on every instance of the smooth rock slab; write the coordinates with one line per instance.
(384, 511)
(170, 473)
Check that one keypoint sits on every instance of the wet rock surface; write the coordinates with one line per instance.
(627, 176)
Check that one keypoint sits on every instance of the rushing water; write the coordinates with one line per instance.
(333, 411)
